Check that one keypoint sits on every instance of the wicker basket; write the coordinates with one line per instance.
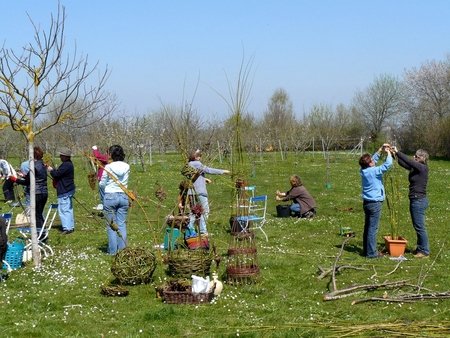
(179, 292)
(185, 263)
(186, 297)
(134, 266)
(242, 271)
(114, 291)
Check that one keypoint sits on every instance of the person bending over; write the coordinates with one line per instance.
(303, 204)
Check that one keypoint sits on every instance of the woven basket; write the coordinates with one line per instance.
(179, 292)
(242, 271)
(185, 263)
(134, 266)
(114, 291)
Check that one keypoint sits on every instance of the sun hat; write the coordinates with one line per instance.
(65, 151)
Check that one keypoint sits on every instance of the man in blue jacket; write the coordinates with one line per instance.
(373, 196)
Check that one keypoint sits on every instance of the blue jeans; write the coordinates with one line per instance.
(203, 200)
(372, 212)
(202, 224)
(115, 207)
(417, 207)
(101, 193)
(65, 211)
(295, 207)
(205, 205)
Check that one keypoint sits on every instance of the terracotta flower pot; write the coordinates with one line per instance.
(395, 247)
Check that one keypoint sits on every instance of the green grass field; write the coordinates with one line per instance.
(63, 298)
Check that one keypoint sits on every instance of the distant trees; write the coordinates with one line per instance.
(428, 106)
(279, 121)
(380, 102)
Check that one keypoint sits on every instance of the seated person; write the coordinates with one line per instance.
(303, 204)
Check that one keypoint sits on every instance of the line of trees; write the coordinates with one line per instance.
(412, 111)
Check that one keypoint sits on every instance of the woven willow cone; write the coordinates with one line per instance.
(134, 266)
(185, 263)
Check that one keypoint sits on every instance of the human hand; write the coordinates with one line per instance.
(207, 180)
(49, 168)
(226, 171)
(94, 148)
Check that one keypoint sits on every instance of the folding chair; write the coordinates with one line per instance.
(256, 216)
(42, 234)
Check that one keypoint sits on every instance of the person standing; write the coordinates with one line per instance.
(418, 201)
(200, 186)
(303, 204)
(41, 190)
(115, 203)
(63, 180)
(101, 161)
(373, 195)
(24, 169)
(8, 174)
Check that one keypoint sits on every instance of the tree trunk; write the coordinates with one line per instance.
(34, 240)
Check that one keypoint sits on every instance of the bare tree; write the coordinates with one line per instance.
(279, 118)
(381, 101)
(43, 87)
(325, 125)
(428, 89)
(428, 106)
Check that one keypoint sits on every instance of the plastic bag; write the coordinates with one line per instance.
(200, 284)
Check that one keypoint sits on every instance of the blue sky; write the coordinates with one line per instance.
(318, 51)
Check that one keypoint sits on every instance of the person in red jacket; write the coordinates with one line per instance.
(101, 161)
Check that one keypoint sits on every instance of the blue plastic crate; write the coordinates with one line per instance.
(14, 255)
(170, 238)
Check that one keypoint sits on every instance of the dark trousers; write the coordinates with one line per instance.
(8, 190)
(41, 200)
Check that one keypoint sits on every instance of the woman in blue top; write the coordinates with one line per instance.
(200, 186)
(373, 196)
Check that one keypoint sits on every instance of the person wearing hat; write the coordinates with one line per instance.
(63, 179)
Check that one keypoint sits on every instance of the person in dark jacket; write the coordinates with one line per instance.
(41, 190)
(418, 201)
(303, 204)
(63, 178)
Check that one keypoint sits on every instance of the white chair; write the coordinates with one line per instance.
(255, 218)
(42, 235)
(251, 189)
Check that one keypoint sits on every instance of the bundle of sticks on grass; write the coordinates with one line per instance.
(415, 293)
